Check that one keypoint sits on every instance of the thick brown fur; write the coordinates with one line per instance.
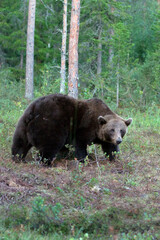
(51, 122)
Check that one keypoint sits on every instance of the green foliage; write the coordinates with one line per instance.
(92, 182)
(87, 225)
(40, 209)
(47, 82)
(130, 49)
(144, 17)
(139, 236)
(13, 28)
(41, 217)
(44, 217)
(17, 216)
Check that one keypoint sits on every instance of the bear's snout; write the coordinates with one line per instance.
(119, 140)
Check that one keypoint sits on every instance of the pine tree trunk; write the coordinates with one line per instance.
(30, 50)
(73, 49)
(63, 50)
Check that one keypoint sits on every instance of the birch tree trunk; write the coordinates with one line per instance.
(73, 49)
(30, 50)
(63, 50)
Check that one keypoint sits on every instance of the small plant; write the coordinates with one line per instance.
(131, 182)
(40, 209)
(130, 165)
(147, 216)
(60, 190)
(44, 217)
(38, 206)
(71, 149)
(16, 216)
(80, 202)
(107, 191)
(92, 182)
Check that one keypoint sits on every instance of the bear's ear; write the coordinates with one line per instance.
(101, 120)
(128, 121)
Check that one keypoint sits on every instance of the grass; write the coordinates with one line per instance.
(108, 200)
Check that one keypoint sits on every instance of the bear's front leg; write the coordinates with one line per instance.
(19, 151)
(110, 150)
(80, 152)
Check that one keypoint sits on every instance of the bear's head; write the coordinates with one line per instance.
(112, 128)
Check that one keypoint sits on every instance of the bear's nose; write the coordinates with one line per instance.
(119, 141)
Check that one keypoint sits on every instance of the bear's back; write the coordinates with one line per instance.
(54, 104)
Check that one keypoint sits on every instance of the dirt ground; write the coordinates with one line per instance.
(126, 184)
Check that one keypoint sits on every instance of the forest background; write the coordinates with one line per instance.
(119, 49)
(125, 34)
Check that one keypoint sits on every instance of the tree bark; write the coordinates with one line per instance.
(24, 31)
(73, 49)
(63, 50)
(21, 59)
(117, 85)
(111, 52)
(99, 58)
(30, 50)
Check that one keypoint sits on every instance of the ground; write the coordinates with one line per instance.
(120, 184)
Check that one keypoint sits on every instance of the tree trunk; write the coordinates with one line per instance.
(30, 50)
(99, 59)
(117, 85)
(111, 52)
(21, 59)
(63, 50)
(24, 33)
(73, 49)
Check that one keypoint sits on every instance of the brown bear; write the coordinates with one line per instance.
(51, 122)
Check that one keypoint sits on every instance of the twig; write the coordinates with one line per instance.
(95, 150)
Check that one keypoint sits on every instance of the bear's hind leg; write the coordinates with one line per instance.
(64, 153)
(46, 156)
(47, 153)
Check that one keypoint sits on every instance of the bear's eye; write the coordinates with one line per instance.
(122, 132)
(112, 130)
